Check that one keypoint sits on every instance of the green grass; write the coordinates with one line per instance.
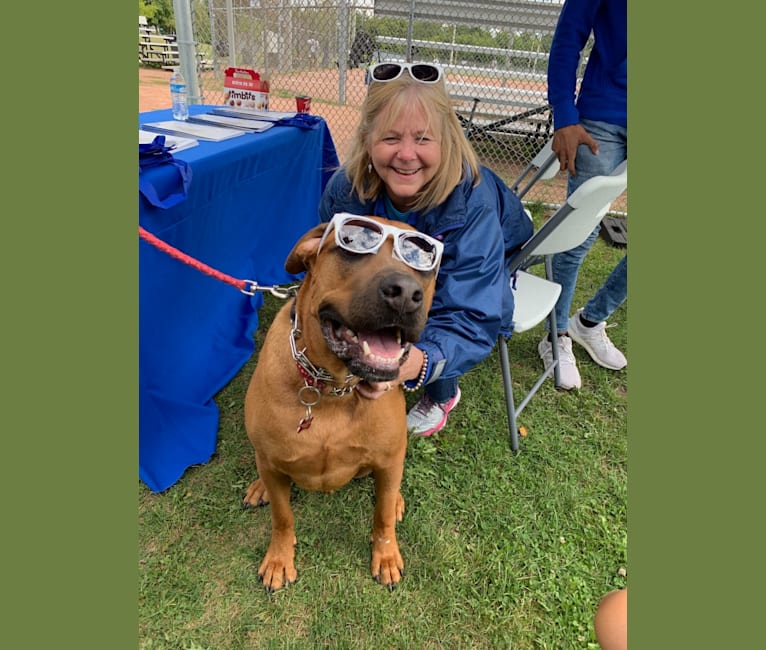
(501, 551)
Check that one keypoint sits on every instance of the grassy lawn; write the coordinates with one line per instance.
(501, 551)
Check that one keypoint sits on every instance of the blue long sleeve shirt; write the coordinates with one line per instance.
(603, 93)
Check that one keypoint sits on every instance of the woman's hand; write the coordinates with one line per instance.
(374, 390)
(410, 369)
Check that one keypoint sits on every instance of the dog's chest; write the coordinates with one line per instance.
(325, 463)
(337, 447)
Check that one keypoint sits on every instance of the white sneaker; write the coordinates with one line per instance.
(427, 417)
(569, 375)
(597, 343)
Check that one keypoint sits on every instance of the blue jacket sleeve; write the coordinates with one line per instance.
(572, 31)
(328, 204)
(337, 197)
(466, 314)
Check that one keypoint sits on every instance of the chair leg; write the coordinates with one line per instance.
(508, 389)
(553, 326)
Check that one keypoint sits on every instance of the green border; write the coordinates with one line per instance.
(71, 333)
(695, 498)
(70, 316)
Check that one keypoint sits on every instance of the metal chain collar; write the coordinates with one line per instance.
(314, 378)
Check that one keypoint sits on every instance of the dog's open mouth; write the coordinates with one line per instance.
(371, 355)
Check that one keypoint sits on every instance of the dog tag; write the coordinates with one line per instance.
(305, 423)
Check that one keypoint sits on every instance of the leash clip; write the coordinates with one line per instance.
(284, 292)
(250, 287)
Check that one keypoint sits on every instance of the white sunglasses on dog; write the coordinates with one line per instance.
(426, 73)
(364, 236)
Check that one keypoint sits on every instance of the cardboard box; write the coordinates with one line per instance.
(244, 90)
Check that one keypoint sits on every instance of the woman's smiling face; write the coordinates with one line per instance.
(406, 154)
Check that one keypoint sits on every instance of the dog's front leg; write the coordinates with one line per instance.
(278, 567)
(387, 564)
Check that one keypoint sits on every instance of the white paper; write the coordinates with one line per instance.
(232, 122)
(186, 129)
(175, 142)
(269, 116)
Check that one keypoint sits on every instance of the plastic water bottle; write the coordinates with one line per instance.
(178, 95)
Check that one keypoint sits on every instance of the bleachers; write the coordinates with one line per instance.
(161, 50)
(486, 110)
(451, 57)
(158, 50)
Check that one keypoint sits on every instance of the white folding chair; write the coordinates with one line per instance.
(545, 165)
(535, 297)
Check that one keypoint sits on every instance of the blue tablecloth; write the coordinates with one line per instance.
(250, 199)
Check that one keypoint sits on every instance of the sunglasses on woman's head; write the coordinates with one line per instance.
(363, 236)
(426, 73)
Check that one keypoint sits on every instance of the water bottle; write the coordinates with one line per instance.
(178, 95)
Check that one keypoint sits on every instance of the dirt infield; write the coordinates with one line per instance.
(153, 89)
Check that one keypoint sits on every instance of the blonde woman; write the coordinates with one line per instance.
(410, 161)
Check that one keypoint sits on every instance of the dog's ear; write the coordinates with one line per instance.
(303, 252)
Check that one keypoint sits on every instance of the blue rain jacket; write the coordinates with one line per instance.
(481, 227)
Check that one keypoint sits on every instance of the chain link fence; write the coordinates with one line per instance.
(494, 53)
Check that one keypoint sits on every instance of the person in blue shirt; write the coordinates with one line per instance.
(590, 138)
(410, 161)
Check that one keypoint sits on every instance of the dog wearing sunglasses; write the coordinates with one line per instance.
(362, 303)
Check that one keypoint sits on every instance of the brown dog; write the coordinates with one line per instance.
(353, 319)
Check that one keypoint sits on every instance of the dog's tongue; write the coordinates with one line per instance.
(379, 345)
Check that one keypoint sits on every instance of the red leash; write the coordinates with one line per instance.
(248, 287)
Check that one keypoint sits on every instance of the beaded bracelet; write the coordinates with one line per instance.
(421, 376)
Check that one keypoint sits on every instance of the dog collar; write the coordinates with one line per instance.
(313, 376)
(314, 379)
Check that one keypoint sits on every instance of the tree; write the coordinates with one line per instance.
(158, 13)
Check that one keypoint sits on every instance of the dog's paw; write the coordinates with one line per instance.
(257, 495)
(387, 566)
(270, 588)
(276, 575)
(389, 579)
(391, 585)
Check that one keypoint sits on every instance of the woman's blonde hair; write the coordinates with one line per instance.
(388, 100)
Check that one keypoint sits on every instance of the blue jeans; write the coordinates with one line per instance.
(613, 149)
(442, 390)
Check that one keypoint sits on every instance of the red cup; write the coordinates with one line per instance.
(303, 104)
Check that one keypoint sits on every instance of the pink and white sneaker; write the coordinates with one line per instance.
(427, 417)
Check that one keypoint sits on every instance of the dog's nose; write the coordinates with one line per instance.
(401, 292)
